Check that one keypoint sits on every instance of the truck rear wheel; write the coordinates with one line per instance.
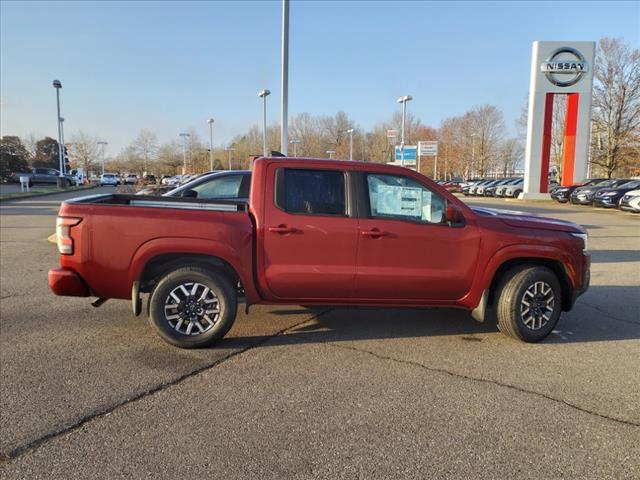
(529, 303)
(193, 307)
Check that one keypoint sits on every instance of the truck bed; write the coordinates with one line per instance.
(119, 234)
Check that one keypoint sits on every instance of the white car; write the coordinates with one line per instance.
(631, 201)
(109, 179)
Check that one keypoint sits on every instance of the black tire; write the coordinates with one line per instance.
(30, 183)
(69, 183)
(516, 193)
(179, 333)
(510, 304)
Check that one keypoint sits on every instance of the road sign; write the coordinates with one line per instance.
(392, 134)
(428, 149)
(410, 154)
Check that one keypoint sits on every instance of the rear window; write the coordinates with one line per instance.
(311, 192)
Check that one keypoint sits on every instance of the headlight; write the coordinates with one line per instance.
(585, 238)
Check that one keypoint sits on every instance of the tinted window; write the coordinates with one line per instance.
(312, 192)
(226, 186)
(402, 198)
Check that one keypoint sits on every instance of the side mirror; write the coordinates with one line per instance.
(190, 194)
(454, 217)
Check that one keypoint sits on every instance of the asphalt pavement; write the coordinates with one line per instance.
(295, 393)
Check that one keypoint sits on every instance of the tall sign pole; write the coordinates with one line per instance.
(284, 120)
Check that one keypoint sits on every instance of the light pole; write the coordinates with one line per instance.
(210, 122)
(184, 151)
(229, 149)
(473, 153)
(284, 94)
(264, 94)
(403, 101)
(295, 147)
(64, 157)
(103, 144)
(57, 84)
(350, 132)
(331, 152)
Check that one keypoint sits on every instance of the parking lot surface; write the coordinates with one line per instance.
(296, 393)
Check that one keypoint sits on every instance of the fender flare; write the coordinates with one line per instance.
(486, 275)
(190, 246)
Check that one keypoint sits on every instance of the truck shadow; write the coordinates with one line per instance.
(605, 313)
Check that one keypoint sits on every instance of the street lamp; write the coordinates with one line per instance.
(103, 144)
(210, 122)
(331, 152)
(295, 147)
(184, 150)
(61, 183)
(403, 101)
(264, 94)
(473, 153)
(284, 80)
(350, 132)
(229, 149)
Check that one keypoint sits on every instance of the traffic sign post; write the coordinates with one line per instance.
(407, 155)
(430, 149)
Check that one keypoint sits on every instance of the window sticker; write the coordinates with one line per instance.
(396, 200)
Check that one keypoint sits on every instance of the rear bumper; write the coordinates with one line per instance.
(67, 283)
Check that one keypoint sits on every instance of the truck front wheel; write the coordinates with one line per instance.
(193, 307)
(529, 303)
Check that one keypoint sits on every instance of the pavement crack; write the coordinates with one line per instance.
(481, 380)
(103, 412)
(607, 314)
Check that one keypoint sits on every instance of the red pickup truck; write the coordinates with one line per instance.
(319, 232)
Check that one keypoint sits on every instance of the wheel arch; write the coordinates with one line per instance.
(556, 266)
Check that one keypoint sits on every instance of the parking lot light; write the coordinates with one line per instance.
(57, 84)
(403, 101)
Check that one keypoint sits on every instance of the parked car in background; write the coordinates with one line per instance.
(229, 184)
(515, 189)
(481, 188)
(109, 179)
(164, 180)
(585, 195)
(610, 197)
(473, 189)
(149, 179)
(562, 193)
(131, 179)
(630, 201)
(43, 175)
(501, 189)
(490, 190)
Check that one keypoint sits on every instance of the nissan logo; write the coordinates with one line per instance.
(563, 71)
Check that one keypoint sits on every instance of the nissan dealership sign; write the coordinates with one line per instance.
(565, 67)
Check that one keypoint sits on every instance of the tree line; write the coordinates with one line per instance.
(473, 144)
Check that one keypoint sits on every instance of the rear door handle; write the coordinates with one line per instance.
(282, 229)
(374, 233)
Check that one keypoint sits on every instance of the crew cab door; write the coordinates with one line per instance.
(406, 249)
(309, 236)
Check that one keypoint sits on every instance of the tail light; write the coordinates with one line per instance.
(63, 234)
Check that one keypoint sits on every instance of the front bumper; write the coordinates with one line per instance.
(607, 202)
(67, 283)
(581, 200)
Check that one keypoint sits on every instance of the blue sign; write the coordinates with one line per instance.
(410, 154)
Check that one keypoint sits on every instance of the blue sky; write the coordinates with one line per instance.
(168, 66)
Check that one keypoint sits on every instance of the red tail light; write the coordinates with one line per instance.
(63, 234)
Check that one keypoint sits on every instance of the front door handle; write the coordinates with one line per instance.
(374, 233)
(282, 229)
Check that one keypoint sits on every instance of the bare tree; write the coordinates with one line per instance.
(83, 150)
(511, 155)
(616, 103)
(486, 122)
(145, 148)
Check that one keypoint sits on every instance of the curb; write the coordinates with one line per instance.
(45, 194)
